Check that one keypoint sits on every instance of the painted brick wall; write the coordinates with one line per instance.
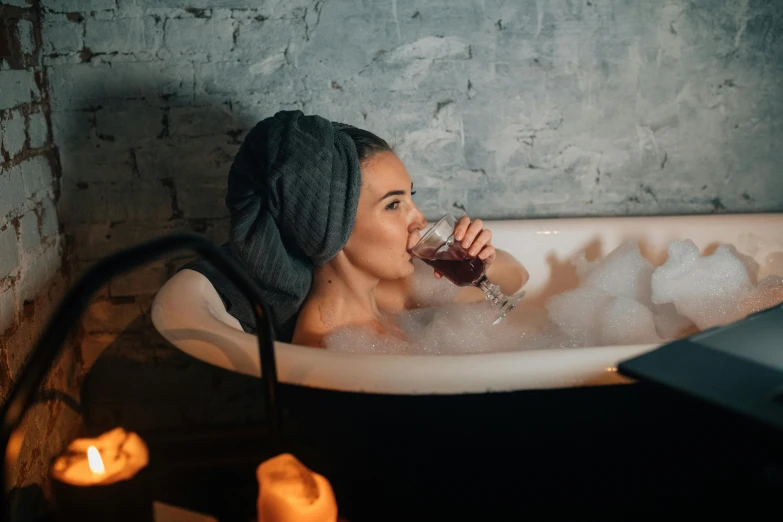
(31, 279)
(503, 110)
(499, 109)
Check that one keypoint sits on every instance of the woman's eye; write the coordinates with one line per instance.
(393, 205)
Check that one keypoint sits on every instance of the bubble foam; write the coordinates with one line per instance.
(621, 299)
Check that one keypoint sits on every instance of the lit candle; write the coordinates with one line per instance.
(101, 479)
(289, 492)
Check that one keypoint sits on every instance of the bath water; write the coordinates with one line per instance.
(621, 298)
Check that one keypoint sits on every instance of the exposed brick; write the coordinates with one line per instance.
(68, 6)
(201, 121)
(28, 231)
(37, 176)
(19, 345)
(38, 271)
(144, 280)
(83, 85)
(37, 129)
(133, 123)
(12, 194)
(12, 132)
(9, 251)
(93, 345)
(18, 87)
(7, 308)
(123, 35)
(198, 36)
(26, 36)
(61, 35)
(108, 316)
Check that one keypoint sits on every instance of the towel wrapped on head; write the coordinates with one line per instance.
(293, 190)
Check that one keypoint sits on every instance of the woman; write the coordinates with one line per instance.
(370, 277)
(322, 216)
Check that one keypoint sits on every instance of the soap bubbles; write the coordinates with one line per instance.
(621, 299)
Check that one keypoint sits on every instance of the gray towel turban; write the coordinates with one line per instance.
(293, 190)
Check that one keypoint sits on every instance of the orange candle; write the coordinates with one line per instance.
(101, 479)
(289, 492)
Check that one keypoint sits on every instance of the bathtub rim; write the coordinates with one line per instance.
(297, 364)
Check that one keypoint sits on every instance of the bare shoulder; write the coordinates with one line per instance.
(310, 328)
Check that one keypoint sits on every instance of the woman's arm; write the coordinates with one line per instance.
(507, 272)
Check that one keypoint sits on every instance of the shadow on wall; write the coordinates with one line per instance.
(144, 163)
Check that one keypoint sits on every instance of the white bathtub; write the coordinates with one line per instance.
(188, 312)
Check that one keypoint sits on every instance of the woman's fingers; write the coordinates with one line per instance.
(482, 239)
(438, 275)
(471, 233)
(487, 254)
(461, 228)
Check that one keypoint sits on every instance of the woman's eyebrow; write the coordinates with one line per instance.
(393, 193)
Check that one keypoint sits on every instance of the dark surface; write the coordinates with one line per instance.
(737, 367)
(613, 451)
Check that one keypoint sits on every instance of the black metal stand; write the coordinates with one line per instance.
(22, 393)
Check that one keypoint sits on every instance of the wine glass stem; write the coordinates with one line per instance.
(492, 291)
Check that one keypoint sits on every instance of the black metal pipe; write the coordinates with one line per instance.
(23, 389)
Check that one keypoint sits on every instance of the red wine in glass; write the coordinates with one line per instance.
(441, 251)
(461, 272)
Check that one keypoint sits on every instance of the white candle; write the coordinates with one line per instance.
(289, 492)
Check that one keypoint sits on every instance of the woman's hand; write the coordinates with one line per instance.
(475, 239)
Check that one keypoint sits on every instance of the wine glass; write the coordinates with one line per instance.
(440, 250)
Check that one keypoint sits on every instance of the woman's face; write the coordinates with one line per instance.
(387, 221)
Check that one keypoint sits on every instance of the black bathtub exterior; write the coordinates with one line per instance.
(611, 452)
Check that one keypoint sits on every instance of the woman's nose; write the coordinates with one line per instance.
(419, 222)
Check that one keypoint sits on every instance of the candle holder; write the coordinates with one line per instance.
(22, 393)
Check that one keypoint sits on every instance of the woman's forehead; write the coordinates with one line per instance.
(385, 172)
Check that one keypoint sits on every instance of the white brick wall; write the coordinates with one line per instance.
(31, 253)
(11, 193)
(198, 36)
(68, 6)
(63, 36)
(84, 85)
(25, 35)
(12, 129)
(18, 87)
(37, 129)
(9, 251)
(123, 35)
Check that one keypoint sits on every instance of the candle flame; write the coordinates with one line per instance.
(94, 460)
